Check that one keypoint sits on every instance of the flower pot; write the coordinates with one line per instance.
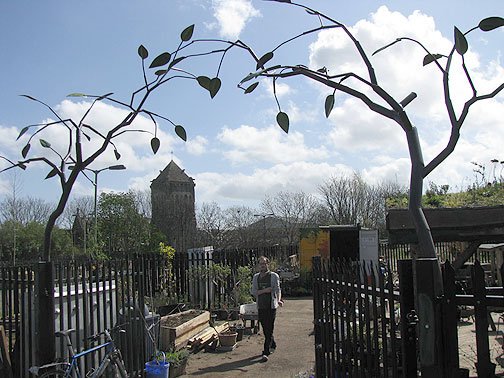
(227, 339)
(240, 330)
(176, 371)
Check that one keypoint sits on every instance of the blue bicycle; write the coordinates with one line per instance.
(70, 369)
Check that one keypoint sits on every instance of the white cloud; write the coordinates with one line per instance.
(297, 176)
(197, 145)
(232, 16)
(267, 145)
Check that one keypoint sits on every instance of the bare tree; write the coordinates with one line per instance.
(211, 225)
(350, 200)
(84, 205)
(143, 201)
(292, 210)
(238, 219)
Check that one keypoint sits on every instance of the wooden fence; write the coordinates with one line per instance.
(446, 251)
(367, 327)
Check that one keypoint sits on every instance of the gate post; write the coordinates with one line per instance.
(429, 288)
(408, 318)
(317, 315)
(45, 339)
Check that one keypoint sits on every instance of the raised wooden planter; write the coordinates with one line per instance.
(177, 336)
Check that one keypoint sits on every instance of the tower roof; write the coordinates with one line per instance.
(173, 172)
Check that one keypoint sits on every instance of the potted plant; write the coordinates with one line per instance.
(178, 361)
(227, 338)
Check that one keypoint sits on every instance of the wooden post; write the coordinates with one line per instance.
(44, 305)
(408, 318)
(428, 290)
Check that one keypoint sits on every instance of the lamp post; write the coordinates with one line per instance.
(264, 224)
(118, 167)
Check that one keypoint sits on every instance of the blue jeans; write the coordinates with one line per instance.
(267, 320)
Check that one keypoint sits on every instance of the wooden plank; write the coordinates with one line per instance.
(450, 224)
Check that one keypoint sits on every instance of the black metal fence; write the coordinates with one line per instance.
(91, 296)
(366, 326)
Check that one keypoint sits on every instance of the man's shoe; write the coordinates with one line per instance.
(264, 358)
(273, 348)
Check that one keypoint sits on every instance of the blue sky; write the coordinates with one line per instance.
(235, 151)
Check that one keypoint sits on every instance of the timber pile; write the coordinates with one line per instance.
(206, 337)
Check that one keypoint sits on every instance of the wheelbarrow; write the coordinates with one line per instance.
(248, 312)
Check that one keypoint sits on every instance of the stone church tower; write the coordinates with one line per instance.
(172, 199)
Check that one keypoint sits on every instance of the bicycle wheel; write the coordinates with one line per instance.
(118, 364)
(52, 373)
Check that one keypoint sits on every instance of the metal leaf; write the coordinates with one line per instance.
(329, 103)
(77, 95)
(429, 58)
(460, 42)
(175, 61)
(161, 60)
(180, 131)
(160, 72)
(155, 143)
(266, 57)
(53, 173)
(117, 154)
(30, 97)
(186, 35)
(142, 51)
(204, 81)
(25, 129)
(215, 85)
(491, 23)
(25, 150)
(386, 46)
(45, 143)
(283, 121)
(251, 88)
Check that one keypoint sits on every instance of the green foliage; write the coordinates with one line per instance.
(122, 228)
(486, 190)
(29, 239)
(166, 279)
(174, 357)
(242, 285)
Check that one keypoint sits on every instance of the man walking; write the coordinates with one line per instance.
(266, 290)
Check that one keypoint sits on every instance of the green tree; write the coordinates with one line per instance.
(30, 239)
(121, 227)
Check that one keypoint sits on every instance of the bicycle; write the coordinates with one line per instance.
(69, 369)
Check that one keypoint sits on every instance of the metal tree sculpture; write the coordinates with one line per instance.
(166, 67)
(394, 109)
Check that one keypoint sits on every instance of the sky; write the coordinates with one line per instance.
(235, 150)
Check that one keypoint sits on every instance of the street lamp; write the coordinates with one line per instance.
(264, 224)
(118, 167)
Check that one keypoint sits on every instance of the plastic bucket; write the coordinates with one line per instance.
(157, 369)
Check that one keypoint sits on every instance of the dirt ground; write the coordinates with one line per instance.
(294, 354)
